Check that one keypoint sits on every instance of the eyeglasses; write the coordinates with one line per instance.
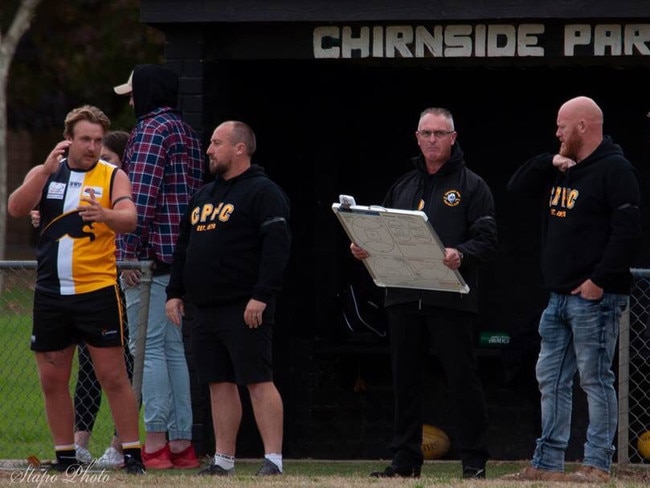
(438, 133)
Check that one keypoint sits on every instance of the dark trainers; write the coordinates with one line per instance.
(269, 468)
(216, 470)
(397, 472)
(472, 473)
(133, 466)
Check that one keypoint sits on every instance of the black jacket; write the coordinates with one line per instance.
(234, 242)
(592, 228)
(460, 207)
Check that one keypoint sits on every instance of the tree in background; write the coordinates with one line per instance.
(73, 53)
(8, 45)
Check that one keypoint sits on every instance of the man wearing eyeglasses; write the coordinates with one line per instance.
(460, 206)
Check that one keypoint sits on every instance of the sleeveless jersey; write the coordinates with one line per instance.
(75, 256)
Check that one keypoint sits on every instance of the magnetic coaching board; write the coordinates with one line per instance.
(404, 250)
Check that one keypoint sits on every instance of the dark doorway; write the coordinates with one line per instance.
(330, 128)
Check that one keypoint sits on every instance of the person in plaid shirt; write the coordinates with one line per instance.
(164, 161)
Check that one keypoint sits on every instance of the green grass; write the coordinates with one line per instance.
(309, 473)
(23, 428)
(24, 432)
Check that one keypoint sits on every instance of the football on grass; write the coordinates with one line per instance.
(643, 444)
(435, 443)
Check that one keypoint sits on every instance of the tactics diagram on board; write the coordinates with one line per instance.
(404, 250)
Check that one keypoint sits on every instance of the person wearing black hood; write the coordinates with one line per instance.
(165, 164)
(591, 232)
(460, 207)
(230, 259)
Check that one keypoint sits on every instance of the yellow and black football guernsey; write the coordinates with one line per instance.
(75, 256)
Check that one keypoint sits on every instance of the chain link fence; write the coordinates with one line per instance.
(23, 425)
(24, 430)
(634, 371)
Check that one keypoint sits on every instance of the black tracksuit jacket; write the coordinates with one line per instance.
(592, 227)
(460, 207)
(234, 242)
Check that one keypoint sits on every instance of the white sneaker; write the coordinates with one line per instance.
(83, 454)
(110, 459)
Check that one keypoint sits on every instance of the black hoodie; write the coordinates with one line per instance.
(154, 86)
(592, 228)
(460, 207)
(234, 242)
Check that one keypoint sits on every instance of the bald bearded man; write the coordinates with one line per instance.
(591, 232)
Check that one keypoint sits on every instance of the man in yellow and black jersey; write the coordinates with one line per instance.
(83, 202)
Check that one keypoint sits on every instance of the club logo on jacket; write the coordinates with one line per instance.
(451, 198)
(562, 199)
(203, 217)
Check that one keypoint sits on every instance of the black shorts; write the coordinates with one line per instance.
(63, 320)
(225, 349)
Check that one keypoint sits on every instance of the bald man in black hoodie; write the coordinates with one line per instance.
(229, 261)
(591, 231)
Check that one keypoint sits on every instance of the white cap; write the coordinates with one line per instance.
(126, 88)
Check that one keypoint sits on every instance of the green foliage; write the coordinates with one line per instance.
(74, 53)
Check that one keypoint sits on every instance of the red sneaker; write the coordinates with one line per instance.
(185, 459)
(160, 459)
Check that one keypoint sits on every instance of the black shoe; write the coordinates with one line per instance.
(472, 473)
(133, 466)
(397, 471)
(215, 470)
(269, 468)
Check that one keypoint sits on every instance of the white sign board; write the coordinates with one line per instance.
(404, 250)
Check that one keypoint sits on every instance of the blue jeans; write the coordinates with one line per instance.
(578, 335)
(165, 377)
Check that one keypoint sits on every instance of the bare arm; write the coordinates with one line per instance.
(28, 195)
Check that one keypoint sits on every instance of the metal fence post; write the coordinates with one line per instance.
(623, 456)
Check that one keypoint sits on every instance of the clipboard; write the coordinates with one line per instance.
(404, 249)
